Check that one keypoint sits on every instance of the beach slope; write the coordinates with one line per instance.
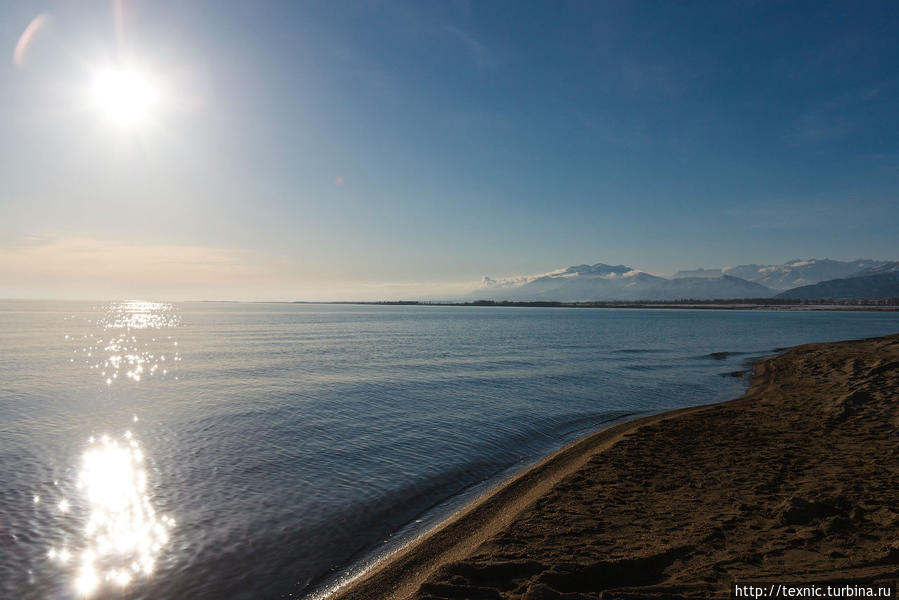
(797, 480)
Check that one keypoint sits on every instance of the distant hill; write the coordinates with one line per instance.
(602, 282)
(878, 285)
(700, 272)
(712, 288)
(791, 274)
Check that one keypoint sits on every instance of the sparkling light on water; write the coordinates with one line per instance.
(139, 315)
(120, 344)
(123, 534)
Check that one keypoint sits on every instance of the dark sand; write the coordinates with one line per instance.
(797, 480)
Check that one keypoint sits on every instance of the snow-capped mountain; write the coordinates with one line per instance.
(791, 274)
(887, 267)
(601, 282)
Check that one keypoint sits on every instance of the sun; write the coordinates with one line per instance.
(123, 95)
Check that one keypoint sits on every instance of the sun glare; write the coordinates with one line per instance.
(123, 95)
(123, 534)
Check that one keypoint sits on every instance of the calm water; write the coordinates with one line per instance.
(231, 450)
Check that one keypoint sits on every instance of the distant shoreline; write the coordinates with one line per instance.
(869, 305)
(890, 304)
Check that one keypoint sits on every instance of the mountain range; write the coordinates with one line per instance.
(791, 274)
(601, 282)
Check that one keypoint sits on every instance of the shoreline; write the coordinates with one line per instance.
(433, 558)
(440, 514)
(520, 488)
(460, 532)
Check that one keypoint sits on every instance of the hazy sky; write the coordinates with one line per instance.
(369, 150)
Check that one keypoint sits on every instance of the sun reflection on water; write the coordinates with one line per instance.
(113, 533)
(120, 346)
(139, 315)
(123, 534)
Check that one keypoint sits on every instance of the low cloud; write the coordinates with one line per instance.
(97, 268)
(81, 268)
(519, 280)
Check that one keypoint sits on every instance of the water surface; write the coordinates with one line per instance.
(210, 450)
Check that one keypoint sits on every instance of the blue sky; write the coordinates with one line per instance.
(366, 150)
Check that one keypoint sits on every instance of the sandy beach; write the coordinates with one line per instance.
(797, 480)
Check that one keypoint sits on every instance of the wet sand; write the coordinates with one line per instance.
(797, 480)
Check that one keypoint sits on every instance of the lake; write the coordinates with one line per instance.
(210, 450)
